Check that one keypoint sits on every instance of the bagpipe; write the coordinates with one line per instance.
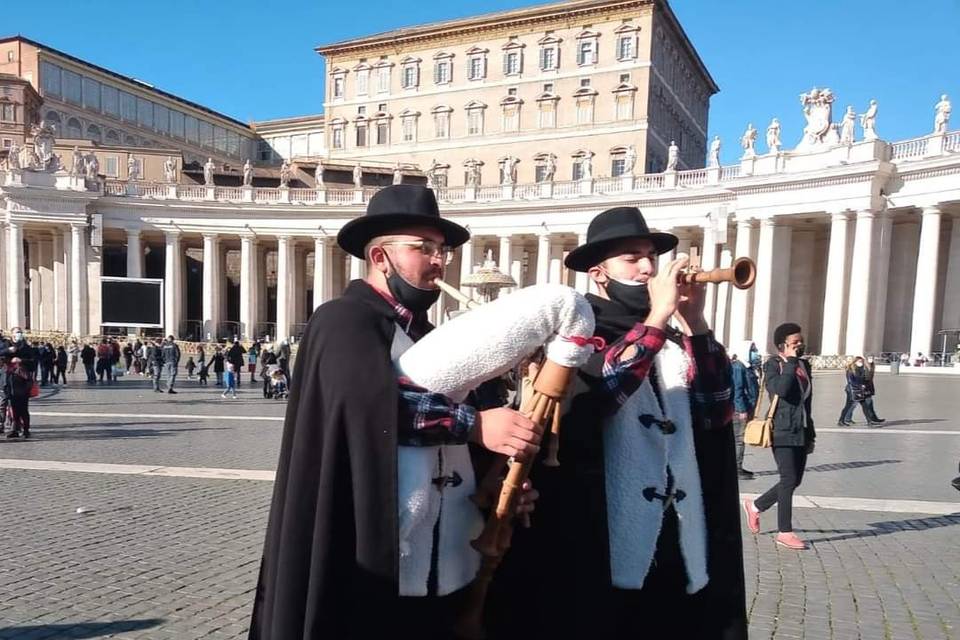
(486, 342)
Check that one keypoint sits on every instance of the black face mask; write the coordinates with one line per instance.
(634, 298)
(801, 350)
(413, 298)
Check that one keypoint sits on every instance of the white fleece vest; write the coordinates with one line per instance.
(422, 504)
(636, 458)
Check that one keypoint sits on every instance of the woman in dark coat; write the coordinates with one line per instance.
(860, 390)
(19, 382)
(60, 372)
(788, 377)
(48, 357)
(218, 365)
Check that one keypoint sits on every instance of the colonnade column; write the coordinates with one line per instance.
(740, 298)
(466, 264)
(79, 304)
(61, 299)
(248, 282)
(836, 286)
(720, 325)
(15, 280)
(506, 257)
(321, 271)
(212, 278)
(134, 254)
(582, 278)
(708, 261)
(285, 250)
(858, 300)
(925, 290)
(172, 281)
(881, 280)
(763, 289)
(543, 258)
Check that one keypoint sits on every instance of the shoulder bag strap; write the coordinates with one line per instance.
(756, 409)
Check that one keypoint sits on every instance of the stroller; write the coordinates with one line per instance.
(276, 386)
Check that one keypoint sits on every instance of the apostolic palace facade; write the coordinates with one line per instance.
(527, 123)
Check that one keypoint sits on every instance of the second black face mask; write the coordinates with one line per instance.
(413, 298)
(634, 298)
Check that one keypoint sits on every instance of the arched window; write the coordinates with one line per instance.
(53, 117)
(130, 141)
(113, 137)
(74, 129)
(93, 133)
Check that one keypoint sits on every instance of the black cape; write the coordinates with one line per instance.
(560, 569)
(330, 567)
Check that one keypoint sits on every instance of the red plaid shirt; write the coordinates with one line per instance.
(425, 418)
(708, 377)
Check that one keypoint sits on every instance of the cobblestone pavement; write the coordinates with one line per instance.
(174, 557)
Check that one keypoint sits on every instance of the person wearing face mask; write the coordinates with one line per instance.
(789, 377)
(359, 443)
(16, 348)
(744, 365)
(649, 474)
(860, 390)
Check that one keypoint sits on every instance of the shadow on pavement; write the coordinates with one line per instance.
(836, 466)
(79, 629)
(106, 431)
(886, 527)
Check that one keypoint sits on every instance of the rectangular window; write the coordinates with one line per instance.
(72, 87)
(361, 111)
(383, 133)
(512, 91)
(625, 47)
(441, 72)
(144, 113)
(409, 76)
(548, 58)
(586, 52)
(362, 136)
(110, 166)
(577, 169)
(540, 173)
(618, 166)
(110, 100)
(548, 87)
(511, 63)
(91, 94)
(584, 82)
(363, 79)
(584, 111)
(176, 124)
(441, 124)
(338, 138)
(161, 118)
(511, 118)
(192, 129)
(548, 115)
(383, 80)
(220, 139)
(474, 122)
(624, 78)
(477, 64)
(7, 143)
(625, 106)
(50, 75)
(7, 112)
(265, 152)
(409, 129)
(338, 85)
(206, 134)
(128, 107)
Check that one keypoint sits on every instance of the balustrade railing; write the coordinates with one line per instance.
(692, 178)
(489, 193)
(340, 196)
(303, 195)
(114, 188)
(952, 141)
(648, 181)
(908, 149)
(266, 194)
(231, 194)
(566, 188)
(730, 172)
(190, 192)
(608, 185)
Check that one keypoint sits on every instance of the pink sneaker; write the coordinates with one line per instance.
(753, 516)
(790, 541)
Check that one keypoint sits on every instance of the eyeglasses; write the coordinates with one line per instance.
(429, 248)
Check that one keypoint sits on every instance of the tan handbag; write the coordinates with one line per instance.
(759, 431)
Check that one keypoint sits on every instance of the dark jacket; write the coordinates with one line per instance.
(793, 420)
(61, 358)
(746, 387)
(18, 383)
(217, 362)
(170, 353)
(27, 354)
(235, 356)
(88, 354)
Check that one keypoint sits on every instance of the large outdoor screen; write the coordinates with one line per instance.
(132, 302)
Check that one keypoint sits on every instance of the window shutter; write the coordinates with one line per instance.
(484, 67)
(520, 61)
(543, 58)
(436, 72)
(506, 63)
(596, 48)
(416, 76)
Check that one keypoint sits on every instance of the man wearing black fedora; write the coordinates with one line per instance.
(648, 469)
(353, 438)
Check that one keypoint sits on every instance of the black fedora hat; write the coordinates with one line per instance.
(395, 207)
(609, 229)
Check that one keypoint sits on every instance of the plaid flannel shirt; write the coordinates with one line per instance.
(708, 377)
(425, 418)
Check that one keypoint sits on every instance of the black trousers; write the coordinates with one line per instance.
(791, 462)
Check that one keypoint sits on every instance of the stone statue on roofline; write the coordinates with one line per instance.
(868, 121)
(673, 156)
(247, 173)
(170, 170)
(357, 176)
(285, 174)
(714, 160)
(748, 140)
(76, 163)
(397, 173)
(630, 160)
(847, 126)
(208, 169)
(773, 137)
(942, 118)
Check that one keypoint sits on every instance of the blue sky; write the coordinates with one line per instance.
(254, 60)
